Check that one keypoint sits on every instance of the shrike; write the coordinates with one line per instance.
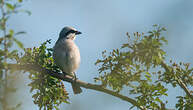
(66, 54)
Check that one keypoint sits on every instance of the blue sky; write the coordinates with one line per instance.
(103, 24)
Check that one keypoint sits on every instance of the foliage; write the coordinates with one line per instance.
(49, 92)
(138, 65)
(184, 103)
(7, 53)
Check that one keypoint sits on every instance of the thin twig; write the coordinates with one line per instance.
(179, 81)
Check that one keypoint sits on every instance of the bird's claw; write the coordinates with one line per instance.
(74, 77)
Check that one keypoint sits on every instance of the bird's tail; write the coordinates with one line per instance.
(76, 88)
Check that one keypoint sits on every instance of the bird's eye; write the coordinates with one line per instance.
(71, 31)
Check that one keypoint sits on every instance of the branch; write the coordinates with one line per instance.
(179, 81)
(184, 87)
(69, 79)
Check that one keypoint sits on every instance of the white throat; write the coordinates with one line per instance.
(71, 36)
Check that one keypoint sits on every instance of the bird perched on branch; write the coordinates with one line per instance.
(66, 54)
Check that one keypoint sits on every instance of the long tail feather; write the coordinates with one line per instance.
(76, 88)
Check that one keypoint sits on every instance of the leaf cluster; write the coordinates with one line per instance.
(8, 39)
(48, 92)
(138, 65)
(184, 103)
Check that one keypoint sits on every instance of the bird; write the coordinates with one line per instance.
(66, 54)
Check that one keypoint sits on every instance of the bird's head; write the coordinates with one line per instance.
(68, 33)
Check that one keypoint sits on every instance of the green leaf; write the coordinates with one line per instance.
(26, 11)
(11, 32)
(155, 25)
(1, 27)
(20, 1)
(148, 78)
(157, 99)
(163, 39)
(164, 29)
(1, 39)
(35, 95)
(21, 32)
(18, 43)
(148, 74)
(56, 108)
(10, 6)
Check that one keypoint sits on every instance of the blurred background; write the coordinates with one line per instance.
(104, 24)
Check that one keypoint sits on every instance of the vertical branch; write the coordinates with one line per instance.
(4, 102)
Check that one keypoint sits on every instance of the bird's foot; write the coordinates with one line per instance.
(71, 75)
(74, 77)
(64, 74)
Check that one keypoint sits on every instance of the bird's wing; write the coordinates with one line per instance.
(60, 56)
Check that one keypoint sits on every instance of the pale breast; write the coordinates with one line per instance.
(67, 55)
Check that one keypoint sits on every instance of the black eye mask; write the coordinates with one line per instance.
(71, 31)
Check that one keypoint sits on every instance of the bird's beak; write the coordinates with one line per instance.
(78, 32)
